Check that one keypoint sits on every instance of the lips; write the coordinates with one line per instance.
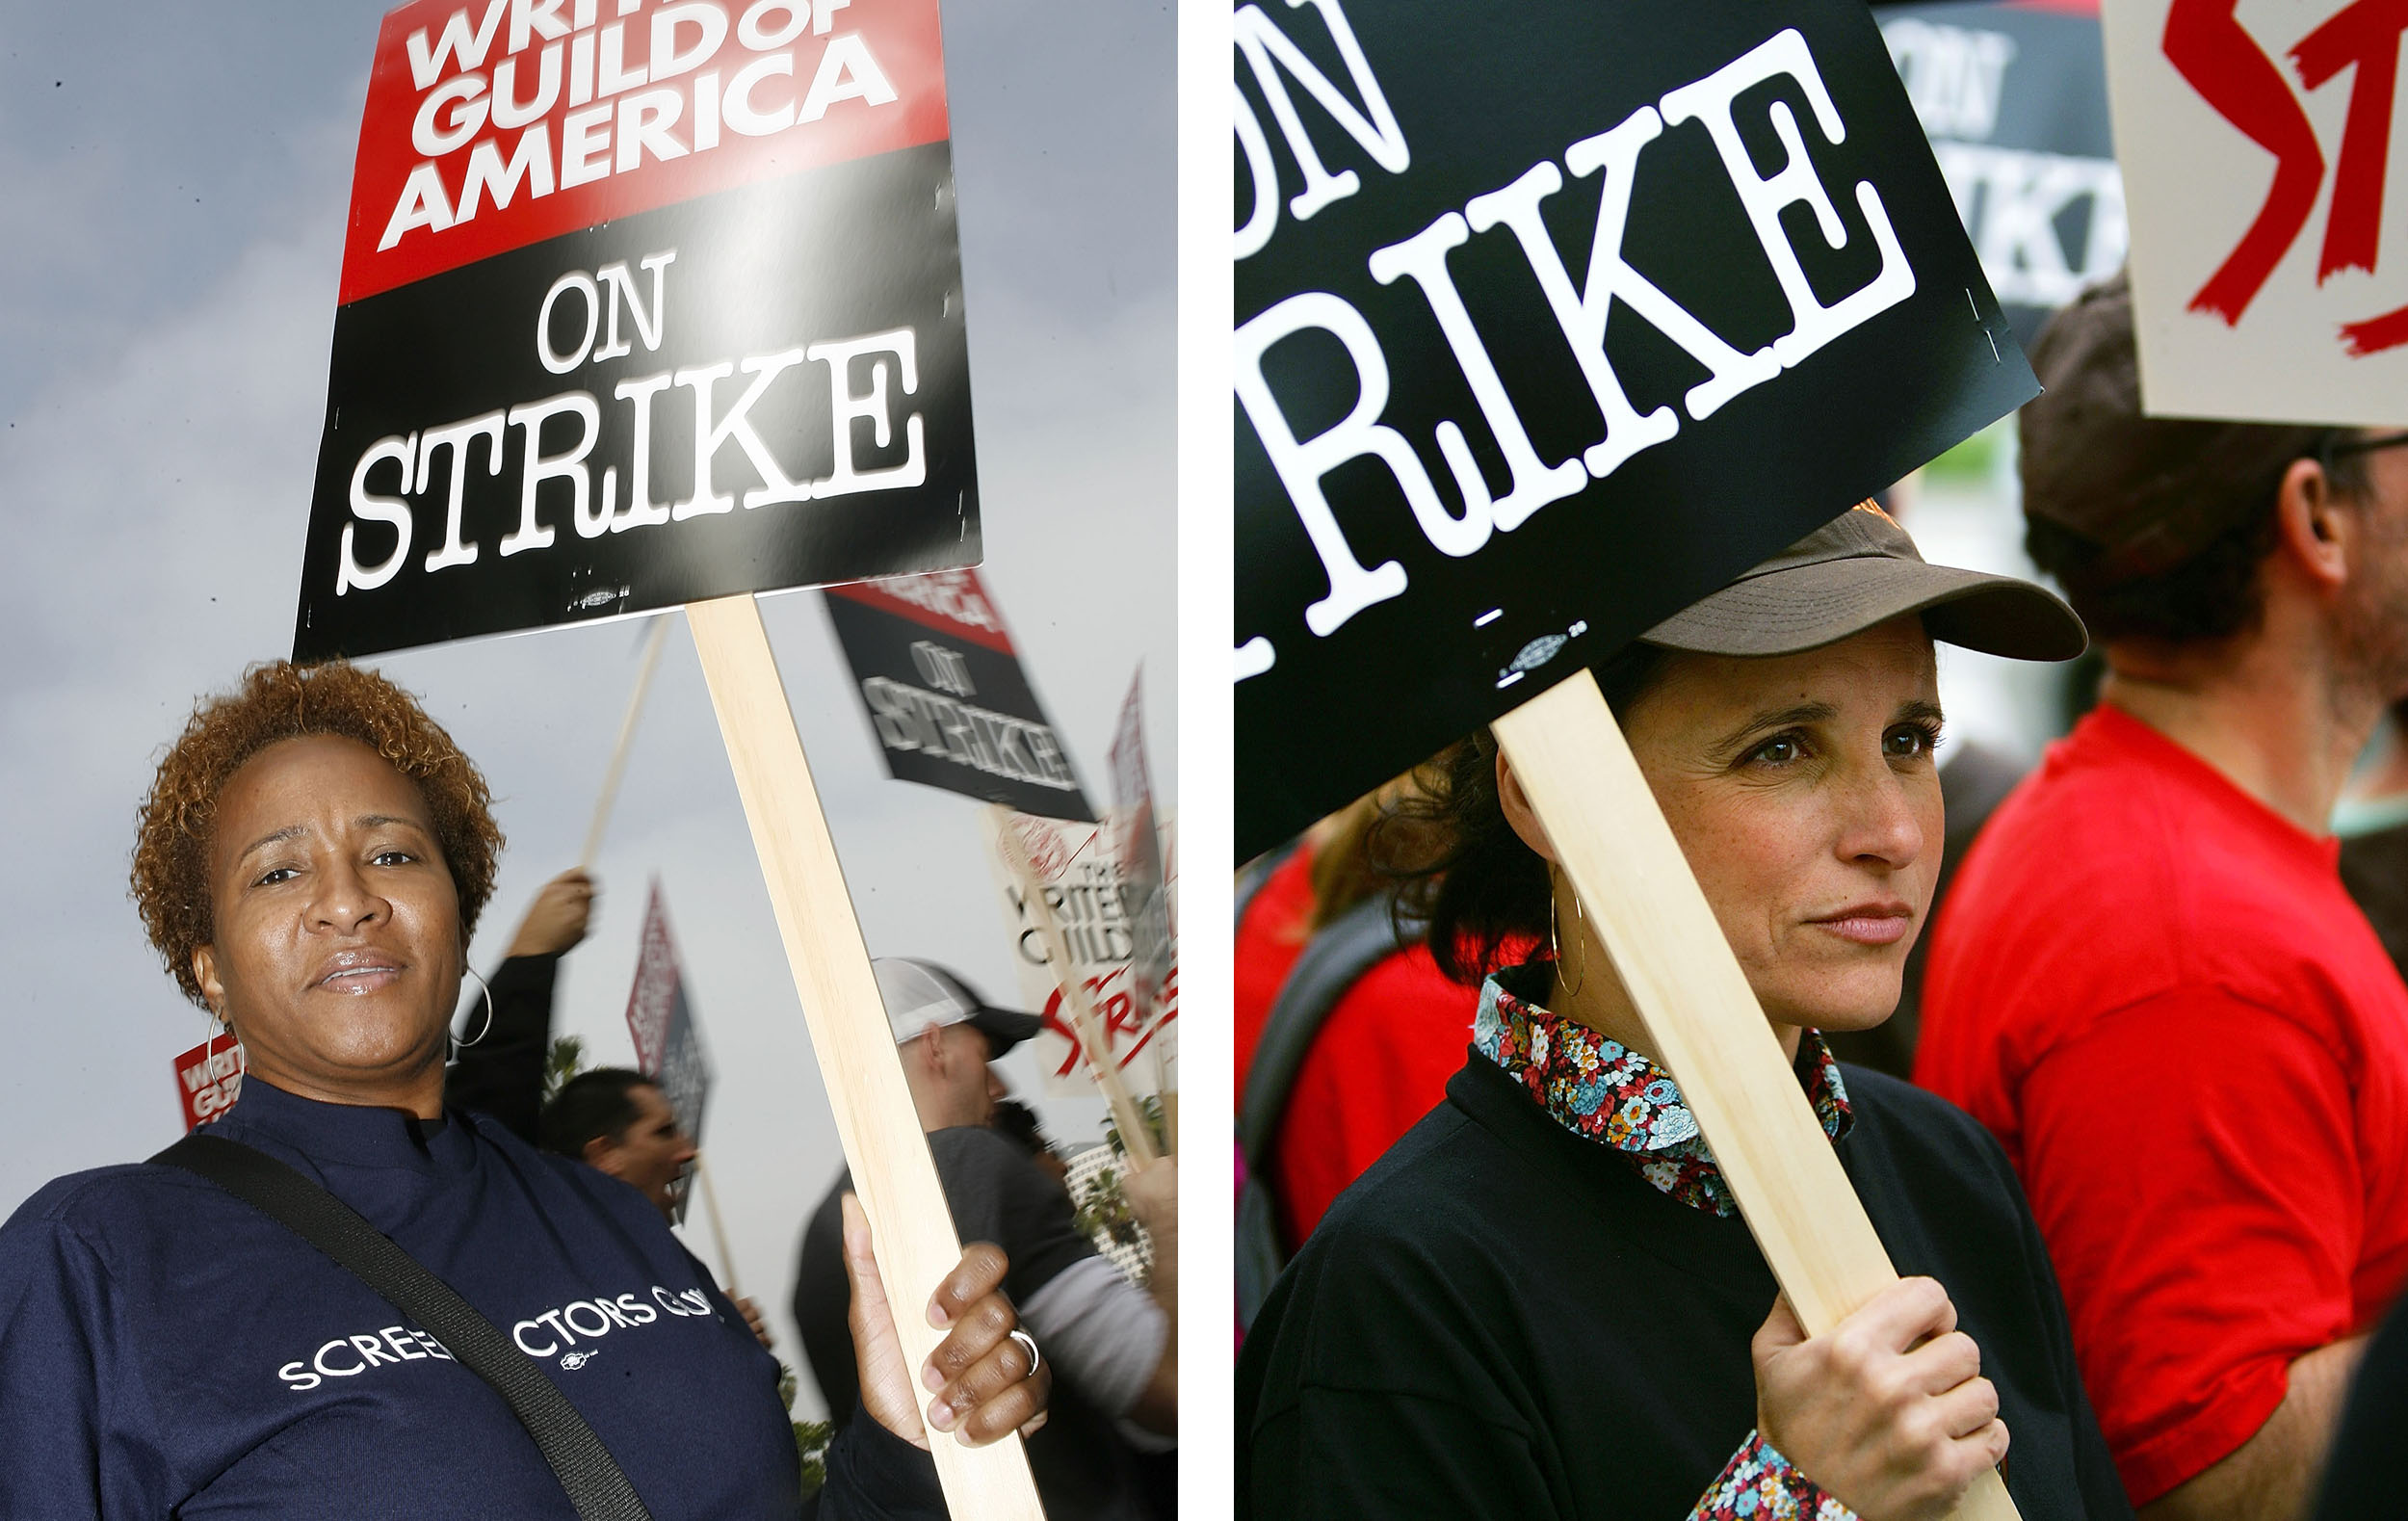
(1882, 922)
(361, 971)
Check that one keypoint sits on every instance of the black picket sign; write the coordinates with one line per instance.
(818, 316)
(2014, 100)
(947, 698)
(1552, 317)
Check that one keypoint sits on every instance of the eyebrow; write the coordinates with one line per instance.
(1918, 708)
(1777, 718)
(289, 831)
(366, 821)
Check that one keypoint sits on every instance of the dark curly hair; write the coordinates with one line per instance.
(1469, 886)
(282, 702)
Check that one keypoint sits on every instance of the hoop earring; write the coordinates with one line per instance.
(220, 1025)
(483, 1030)
(1555, 942)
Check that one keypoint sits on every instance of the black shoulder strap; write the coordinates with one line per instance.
(1342, 951)
(1255, 872)
(582, 1465)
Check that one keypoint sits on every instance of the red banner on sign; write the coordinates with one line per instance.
(209, 1078)
(497, 123)
(952, 602)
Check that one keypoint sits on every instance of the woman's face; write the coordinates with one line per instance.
(338, 956)
(1804, 793)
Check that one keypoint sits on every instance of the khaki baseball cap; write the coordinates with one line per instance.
(1858, 571)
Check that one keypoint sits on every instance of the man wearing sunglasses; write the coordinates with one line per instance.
(2149, 981)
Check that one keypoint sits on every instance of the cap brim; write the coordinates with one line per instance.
(1807, 607)
(1006, 1028)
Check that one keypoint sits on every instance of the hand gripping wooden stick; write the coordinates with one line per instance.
(1646, 909)
(911, 1230)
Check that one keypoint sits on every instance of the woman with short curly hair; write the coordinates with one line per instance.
(312, 857)
(279, 702)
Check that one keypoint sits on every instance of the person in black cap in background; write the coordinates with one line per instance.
(1019, 1121)
(1114, 1347)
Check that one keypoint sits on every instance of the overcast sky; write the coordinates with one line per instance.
(173, 181)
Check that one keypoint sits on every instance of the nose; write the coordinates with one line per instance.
(997, 1089)
(1881, 819)
(687, 1151)
(344, 901)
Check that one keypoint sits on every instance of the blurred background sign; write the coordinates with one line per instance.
(668, 1044)
(946, 694)
(2013, 97)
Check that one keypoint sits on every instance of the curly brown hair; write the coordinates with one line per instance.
(1469, 886)
(277, 701)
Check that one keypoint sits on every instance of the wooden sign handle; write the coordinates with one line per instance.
(1645, 907)
(619, 752)
(1136, 1136)
(911, 1229)
(719, 1226)
(1166, 1088)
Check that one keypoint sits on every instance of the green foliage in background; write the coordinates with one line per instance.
(1973, 462)
(1105, 1210)
(811, 1437)
(564, 1060)
(1150, 1108)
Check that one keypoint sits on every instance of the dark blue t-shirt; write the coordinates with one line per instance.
(166, 1348)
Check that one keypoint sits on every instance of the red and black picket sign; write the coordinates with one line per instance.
(1553, 316)
(639, 308)
(661, 1023)
(945, 697)
(209, 1078)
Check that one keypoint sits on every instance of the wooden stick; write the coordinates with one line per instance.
(1701, 1018)
(619, 752)
(1166, 1034)
(911, 1230)
(1136, 1136)
(718, 1227)
(1167, 1089)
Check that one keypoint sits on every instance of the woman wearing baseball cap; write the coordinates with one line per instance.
(1542, 1302)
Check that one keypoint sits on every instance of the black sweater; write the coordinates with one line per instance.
(501, 1075)
(1501, 1319)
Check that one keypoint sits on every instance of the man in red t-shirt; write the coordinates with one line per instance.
(2148, 980)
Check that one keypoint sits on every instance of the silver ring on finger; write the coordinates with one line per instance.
(1035, 1359)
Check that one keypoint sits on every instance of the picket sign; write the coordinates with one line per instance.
(1702, 1019)
(1084, 1021)
(486, 298)
(910, 1227)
